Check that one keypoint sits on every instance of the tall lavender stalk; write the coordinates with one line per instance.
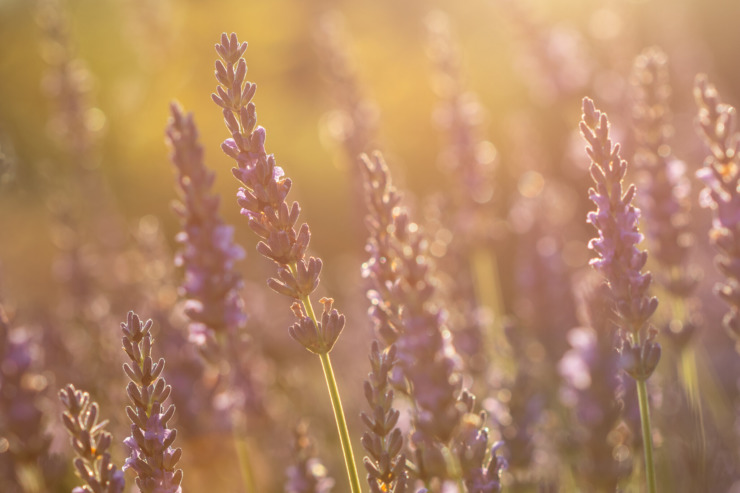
(620, 262)
(665, 201)
(91, 443)
(208, 253)
(353, 123)
(717, 124)
(152, 456)
(469, 162)
(592, 382)
(385, 463)
(405, 313)
(263, 201)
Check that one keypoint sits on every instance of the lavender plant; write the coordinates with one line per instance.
(23, 438)
(263, 201)
(717, 124)
(468, 160)
(354, 121)
(74, 123)
(307, 474)
(208, 253)
(666, 188)
(385, 462)
(480, 467)
(211, 285)
(405, 313)
(620, 262)
(592, 388)
(91, 442)
(152, 457)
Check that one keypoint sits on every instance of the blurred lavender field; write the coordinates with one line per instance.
(491, 296)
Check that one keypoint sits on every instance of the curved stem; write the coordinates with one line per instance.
(647, 438)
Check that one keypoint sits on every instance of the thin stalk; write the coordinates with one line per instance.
(237, 416)
(487, 287)
(30, 478)
(688, 372)
(242, 454)
(336, 403)
(454, 467)
(647, 437)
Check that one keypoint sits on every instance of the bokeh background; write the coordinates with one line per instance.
(529, 63)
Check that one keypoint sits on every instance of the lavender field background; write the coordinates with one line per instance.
(502, 343)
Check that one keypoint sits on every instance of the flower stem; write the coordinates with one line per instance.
(242, 454)
(647, 438)
(336, 402)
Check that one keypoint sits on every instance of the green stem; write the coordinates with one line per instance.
(242, 454)
(647, 438)
(487, 291)
(336, 402)
(453, 467)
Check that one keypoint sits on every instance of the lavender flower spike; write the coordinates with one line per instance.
(152, 455)
(717, 123)
(619, 260)
(91, 443)
(208, 252)
(263, 201)
(405, 313)
(383, 441)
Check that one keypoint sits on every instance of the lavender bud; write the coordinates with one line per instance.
(152, 456)
(90, 442)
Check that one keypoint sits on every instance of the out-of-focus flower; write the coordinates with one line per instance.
(405, 313)
(91, 443)
(591, 387)
(717, 124)
(307, 474)
(208, 253)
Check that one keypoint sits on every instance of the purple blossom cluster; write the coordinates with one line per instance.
(91, 443)
(717, 124)
(262, 199)
(493, 366)
(209, 254)
(152, 456)
(619, 260)
(406, 314)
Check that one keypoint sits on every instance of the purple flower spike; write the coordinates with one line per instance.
(262, 199)
(90, 442)
(619, 260)
(208, 252)
(152, 456)
(405, 313)
(717, 124)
